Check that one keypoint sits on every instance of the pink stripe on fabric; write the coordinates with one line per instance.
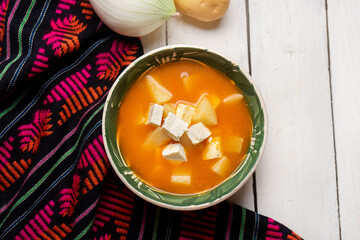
(55, 95)
(8, 146)
(24, 235)
(40, 163)
(270, 220)
(37, 70)
(64, 6)
(42, 58)
(40, 64)
(48, 210)
(58, 11)
(11, 139)
(73, 77)
(8, 31)
(99, 148)
(67, 88)
(274, 234)
(35, 226)
(229, 222)
(18, 238)
(84, 160)
(273, 227)
(86, 74)
(72, 2)
(49, 98)
(45, 216)
(30, 231)
(61, 92)
(88, 157)
(41, 222)
(41, 50)
(94, 152)
(5, 152)
(79, 75)
(99, 223)
(72, 84)
(88, 67)
(271, 238)
(3, 160)
(102, 217)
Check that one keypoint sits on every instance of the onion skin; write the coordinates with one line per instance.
(134, 18)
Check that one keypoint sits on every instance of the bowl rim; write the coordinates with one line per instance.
(206, 204)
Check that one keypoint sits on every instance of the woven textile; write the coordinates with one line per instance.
(57, 64)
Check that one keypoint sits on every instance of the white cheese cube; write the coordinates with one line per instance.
(222, 166)
(185, 112)
(198, 133)
(182, 179)
(213, 149)
(159, 93)
(174, 127)
(233, 98)
(155, 115)
(174, 151)
(156, 138)
(233, 144)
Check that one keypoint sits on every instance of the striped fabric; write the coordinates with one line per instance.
(57, 64)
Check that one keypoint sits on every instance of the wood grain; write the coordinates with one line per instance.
(344, 35)
(296, 180)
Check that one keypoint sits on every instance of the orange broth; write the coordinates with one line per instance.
(233, 119)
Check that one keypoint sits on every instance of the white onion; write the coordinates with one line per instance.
(134, 17)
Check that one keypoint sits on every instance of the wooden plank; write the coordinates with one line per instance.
(227, 36)
(296, 180)
(154, 39)
(344, 35)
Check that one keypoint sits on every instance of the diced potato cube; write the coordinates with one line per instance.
(205, 112)
(174, 126)
(168, 107)
(222, 166)
(213, 149)
(156, 138)
(215, 100)
(181, 179)
(174, 151)
(198, 133)
(155, 115)
(159, 93)
(233, 144)
(233, 98)
(185, 112)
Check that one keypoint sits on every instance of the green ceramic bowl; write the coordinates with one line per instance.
(240, 175)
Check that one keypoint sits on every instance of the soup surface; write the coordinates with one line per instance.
(209, 162)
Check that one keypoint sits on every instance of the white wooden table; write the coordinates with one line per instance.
(305, 57)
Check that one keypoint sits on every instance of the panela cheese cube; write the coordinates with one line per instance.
(174, 127)
(213, 149)
(198, 133)
(174, 151)
(185, 112)
(155, 115)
